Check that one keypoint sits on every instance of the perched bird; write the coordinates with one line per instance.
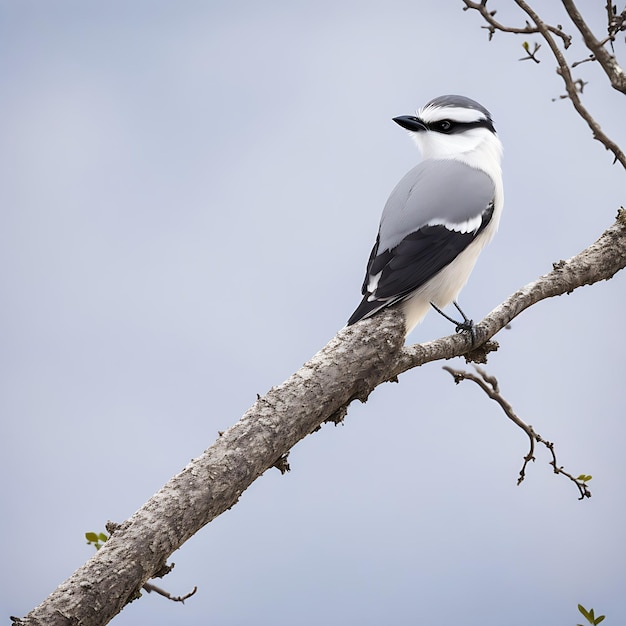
(440, 215)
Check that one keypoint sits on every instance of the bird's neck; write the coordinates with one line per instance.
(485, 156)
(479, 148)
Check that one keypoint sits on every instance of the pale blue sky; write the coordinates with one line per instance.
(189, 192)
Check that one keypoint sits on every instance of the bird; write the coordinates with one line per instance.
(439, 216)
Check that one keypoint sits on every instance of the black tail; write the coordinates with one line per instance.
(366, 309)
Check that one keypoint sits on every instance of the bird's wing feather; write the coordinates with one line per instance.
(432, 215)
(418, 257)
(437, 191)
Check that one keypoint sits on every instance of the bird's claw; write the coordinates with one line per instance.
(466, 326)
(469, 328)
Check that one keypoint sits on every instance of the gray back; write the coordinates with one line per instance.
(437, 190)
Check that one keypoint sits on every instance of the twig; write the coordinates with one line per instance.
(580, 85)
(489, 385)
(615, 23)
(607, 61)
(149, 587)
(548, 32)
(494, 25)
(98, 540)
(591, 57)
(531, 54)
(570, 84)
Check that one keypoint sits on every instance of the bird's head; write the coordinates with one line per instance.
(454, 127)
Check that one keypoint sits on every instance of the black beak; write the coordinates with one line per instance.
(410, 123)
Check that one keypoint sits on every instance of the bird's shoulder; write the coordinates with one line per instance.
(436, 191)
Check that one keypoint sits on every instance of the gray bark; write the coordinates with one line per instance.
(355, 361)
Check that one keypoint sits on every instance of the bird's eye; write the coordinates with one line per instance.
(444, 125)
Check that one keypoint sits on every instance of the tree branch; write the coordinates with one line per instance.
(607, 61)
(494, 25)
(600, 261)
(149, 587)
(490, 386)
(571, 86)
(354, 362)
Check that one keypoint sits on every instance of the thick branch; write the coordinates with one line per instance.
(349, 367)
(353, 363)
(600, 261)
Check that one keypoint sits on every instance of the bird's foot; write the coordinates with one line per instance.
(466, 326)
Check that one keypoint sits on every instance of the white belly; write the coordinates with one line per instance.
(445, 286)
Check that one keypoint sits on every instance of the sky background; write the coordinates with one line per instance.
(189, 194)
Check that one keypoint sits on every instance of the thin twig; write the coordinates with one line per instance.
(149, 587)
(570, 84)
(494, 25)
(532, 55)
(615, 23)
(607, 61)
(489, 385)
(548, 32)
(591, 57)
(580, 85)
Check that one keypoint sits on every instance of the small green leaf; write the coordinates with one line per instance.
(102, 537)
(583, 610)
(525, 46)
(600, 619)
(91, 537)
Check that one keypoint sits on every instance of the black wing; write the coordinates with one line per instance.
(413, 262)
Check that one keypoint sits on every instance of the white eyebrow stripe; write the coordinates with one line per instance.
(458, 114)
(470, 225)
